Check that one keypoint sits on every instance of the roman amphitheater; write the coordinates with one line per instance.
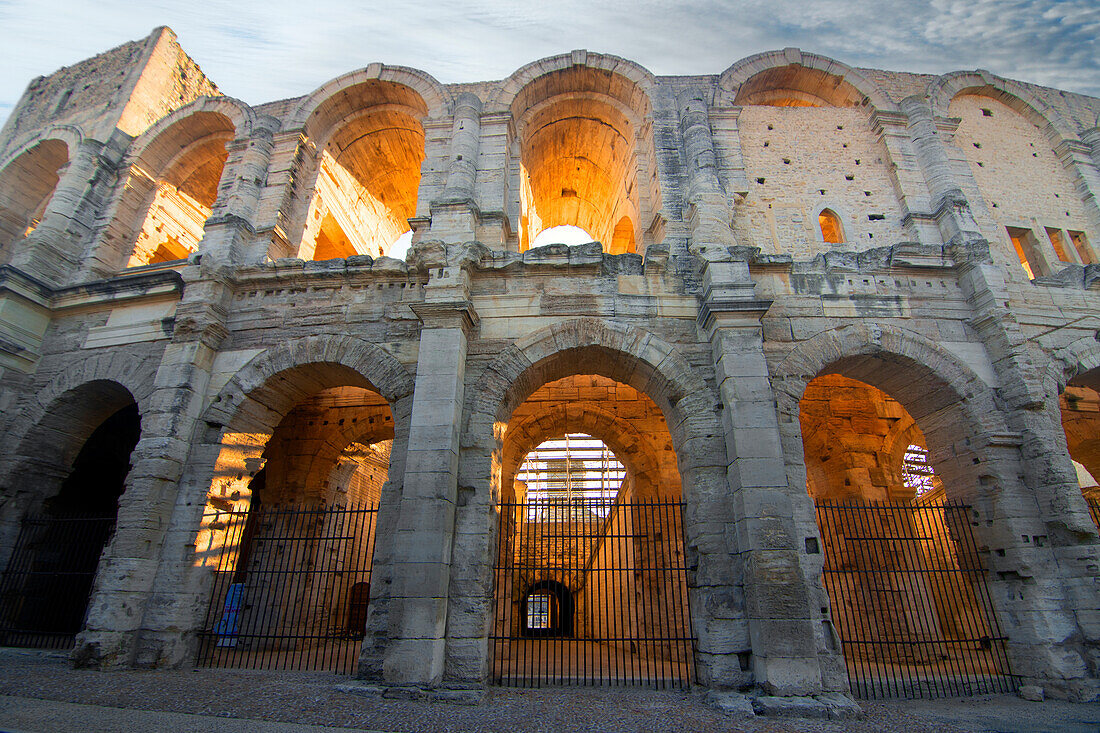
(328, 383)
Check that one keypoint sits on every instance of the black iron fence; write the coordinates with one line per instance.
(1094, 511)
(910, 601)
(291, 587)
(591, 592)
(45, 587)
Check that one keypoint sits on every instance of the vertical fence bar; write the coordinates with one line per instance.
(48, 579)
(621, 564)
(910, 601)
(294, 583)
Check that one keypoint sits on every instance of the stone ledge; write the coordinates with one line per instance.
(832, 706)
(455, 696)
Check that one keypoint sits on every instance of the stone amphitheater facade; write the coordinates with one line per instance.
(906, 254)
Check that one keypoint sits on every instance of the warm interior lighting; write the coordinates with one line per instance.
(830, 227)
(916, 471)
(577, 469)
(569, 235)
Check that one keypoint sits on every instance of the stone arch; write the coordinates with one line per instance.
(1072, 361)
(145, 146)
(136, 376)
(175, 169)
(628, 445)
(71, 135)
(513, 88)
(582, 133)
(434, 97)
(926, 379)
(623, 353)
(644, 361)
(945, 88)
(28, 179)
(55, 428)
(817, 77)
(365, 147)
(253, 382)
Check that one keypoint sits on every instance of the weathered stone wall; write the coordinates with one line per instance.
(695, 352)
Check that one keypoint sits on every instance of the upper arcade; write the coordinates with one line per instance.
(791, 153)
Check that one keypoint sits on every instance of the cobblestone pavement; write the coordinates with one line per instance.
(41, 692)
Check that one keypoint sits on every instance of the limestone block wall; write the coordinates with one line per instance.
(694, 350)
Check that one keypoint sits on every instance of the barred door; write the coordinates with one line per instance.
(592, 591)
(291, 587)
(910, 601)
(45, 588)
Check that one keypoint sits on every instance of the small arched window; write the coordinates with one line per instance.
(831, 230)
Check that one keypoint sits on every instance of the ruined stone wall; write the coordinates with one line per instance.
(695, 352)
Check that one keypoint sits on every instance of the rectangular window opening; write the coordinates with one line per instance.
(1023, 240)
(1059, 244)
(1082, 246)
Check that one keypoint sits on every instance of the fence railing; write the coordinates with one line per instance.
(591, 592)
(291, 587)
(910, 601)
(46, 584)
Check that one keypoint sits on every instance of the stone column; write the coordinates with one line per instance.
(137, 614)
(949, 206)
(909, 183)
(1043, 564)
(52, 252)
(455, 214)
(426, 518)
(789, 649)
(1080, 157)
(709, 209)
(129, 568)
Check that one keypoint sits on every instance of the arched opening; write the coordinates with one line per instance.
(807, 142)
(567, 235)
(547, 609)
(1080, 408)
(905, 583)
(590, 576)
(370, 146)
(584, 151)
(52, 562)
(173, 187)
(831, 230)
(1039, 227)
(26, 186)
(289, 530)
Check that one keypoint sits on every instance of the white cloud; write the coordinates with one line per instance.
(261, 52)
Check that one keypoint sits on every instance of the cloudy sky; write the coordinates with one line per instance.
(263, 51)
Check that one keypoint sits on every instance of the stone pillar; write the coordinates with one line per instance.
(909, 183)
(709, 209)
(129, 568)
(949, 206)
(789, 647)
(455, 214)
(1043, 566)
(1082, 159)
(135, 614)
(52, 252)
(426, 518)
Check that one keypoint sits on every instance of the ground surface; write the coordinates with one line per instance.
(41, 692)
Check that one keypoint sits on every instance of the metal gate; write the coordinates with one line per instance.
(910, 601)
(45, 588)
(592, 591)
(291, 587)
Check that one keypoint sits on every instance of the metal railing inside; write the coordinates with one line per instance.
(291, 587)
(45, 587)
(910, 601)
(591, 591)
